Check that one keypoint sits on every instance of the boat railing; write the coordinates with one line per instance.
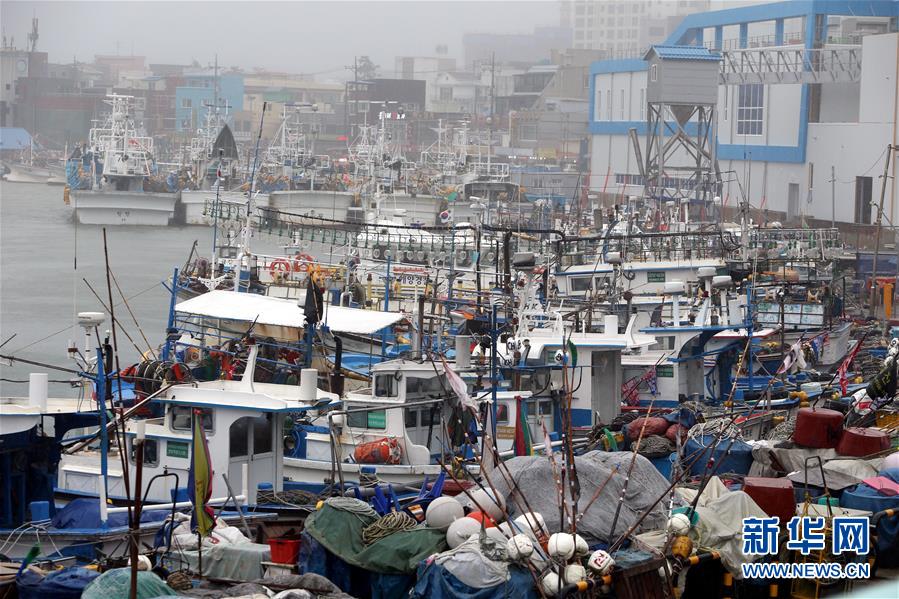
(647, 247)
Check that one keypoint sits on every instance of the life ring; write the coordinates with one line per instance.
(280, 266)
(377, 252)
(490, 257)
(463, 258)
(303, 263)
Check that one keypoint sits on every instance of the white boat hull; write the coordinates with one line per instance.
(123, 207)
(198, 204)
(317, 471)
(22, 173)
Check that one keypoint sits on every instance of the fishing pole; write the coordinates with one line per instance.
(105, 307)
(133, 317)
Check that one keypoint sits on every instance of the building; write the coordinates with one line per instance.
(624, 28)
(799, 138)
(515, 47)
(201, 88)
(14, 64)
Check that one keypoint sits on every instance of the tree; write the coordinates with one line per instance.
(365, 68)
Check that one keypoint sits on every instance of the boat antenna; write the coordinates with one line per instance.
(252, 187)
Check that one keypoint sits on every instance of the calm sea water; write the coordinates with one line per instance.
(43, 258)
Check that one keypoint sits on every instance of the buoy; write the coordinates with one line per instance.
(561, 546)
(818, 428)
(482, 518)
(551, 583)
(379, 451)
(580, 546)
(519, 547)
(442, 512)
(601, 562)
(461, 530)
(484, 500)
(682, 547)
(531, 521)
(678, 524)
(496, 535)
(861, 442)
(574, 573)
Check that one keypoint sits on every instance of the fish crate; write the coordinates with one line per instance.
(643, 581)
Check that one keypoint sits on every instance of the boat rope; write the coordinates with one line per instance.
(353, 506)
(387, 525)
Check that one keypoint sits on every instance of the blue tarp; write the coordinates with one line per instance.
(85, 513)
(738, 461)
(435, 582)
(863, 497)
(14, 138)
(62, 584)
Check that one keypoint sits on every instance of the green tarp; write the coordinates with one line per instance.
(340, 532)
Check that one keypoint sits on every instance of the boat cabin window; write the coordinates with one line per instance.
(374, 419)
(425, 387)
(580, 283)
(242, 430)
(666, 342)
(386, 386)
(151, 452)
(181, 418)
(424, 416)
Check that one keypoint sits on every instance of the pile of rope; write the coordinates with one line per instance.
(622, 419)
(292, 497)
(714, 428)
(354, 506)
(783, 431)
(386, 526)
(654, 446)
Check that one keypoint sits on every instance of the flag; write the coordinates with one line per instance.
(313, 308)
(883, 385)
(459, 387)
(794, 356)
(547, 440)
(199, 480)
(522, 443)
(572, 352)
(843, 370)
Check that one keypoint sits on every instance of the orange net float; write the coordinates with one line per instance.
(379, 451)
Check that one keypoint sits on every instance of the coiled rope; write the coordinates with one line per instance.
(386, 526)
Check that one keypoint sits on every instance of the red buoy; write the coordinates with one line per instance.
(861, 442)
(820, 428)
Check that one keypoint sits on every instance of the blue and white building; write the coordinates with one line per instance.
(807, 88)
(199, 91)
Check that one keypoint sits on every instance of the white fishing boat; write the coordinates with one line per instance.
(118, 164)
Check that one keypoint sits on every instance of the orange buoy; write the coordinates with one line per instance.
(379, 451)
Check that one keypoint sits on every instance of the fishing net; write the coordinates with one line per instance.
(116, 584)
(654, 446)
(533, 477)
(714, 428)
(783, 431)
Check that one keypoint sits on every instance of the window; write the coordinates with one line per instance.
(373, 419)
(262, 434)
(151, 452)
(608, 105)
(643, 104)
(622, 105)
(726, 101)
(527, 132)
(186, 103)
(238, 438)
(424, 387)
(502, 413)
(580, 283)
(181, 418)
(446, 93)
(386, 386)
(750, 109)
(597, 100)
(863, 200)
(410, 417)
(654, 73)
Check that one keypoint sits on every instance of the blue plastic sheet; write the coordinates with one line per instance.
(62, 584)
(863, 497)
(738, 460)
(85, 513)
(435, 582)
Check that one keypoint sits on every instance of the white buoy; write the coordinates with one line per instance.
(442, 512)
(679, 524)
(461, 530)
(484, 501)
(519, 547)
(561, 546)
(551, 584)
(601, 562)
(574, 573)
(532, 522)
(580, 546)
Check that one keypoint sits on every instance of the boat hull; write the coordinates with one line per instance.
(22, 173)
(197, 205)
(123, 207)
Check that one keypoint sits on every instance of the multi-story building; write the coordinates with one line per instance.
(624, 27)
(515, 47)
(202, 88)
(803, 115)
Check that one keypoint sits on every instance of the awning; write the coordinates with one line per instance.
(274, 311)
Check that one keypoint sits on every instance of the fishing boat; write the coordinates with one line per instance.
(114, 180)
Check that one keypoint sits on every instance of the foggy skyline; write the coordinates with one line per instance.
(317, 37)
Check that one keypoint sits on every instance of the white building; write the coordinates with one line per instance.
(788, 110)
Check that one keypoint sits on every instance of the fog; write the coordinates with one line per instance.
(299, 37)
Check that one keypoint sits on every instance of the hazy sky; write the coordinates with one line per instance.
(302, 36)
